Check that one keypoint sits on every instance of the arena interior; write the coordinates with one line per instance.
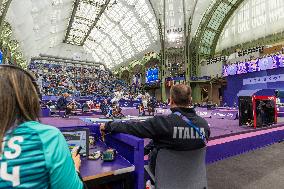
(111, 76)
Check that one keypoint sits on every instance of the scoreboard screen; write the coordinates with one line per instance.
(152, 75)
(1, 57)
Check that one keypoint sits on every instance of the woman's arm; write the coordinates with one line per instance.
(62, 171)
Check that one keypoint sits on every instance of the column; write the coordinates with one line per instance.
(163, 79)
(196, 93)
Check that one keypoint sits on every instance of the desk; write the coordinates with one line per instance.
(98, 172)
(128, 146)
(94, 169)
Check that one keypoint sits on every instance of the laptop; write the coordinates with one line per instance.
(77, 137)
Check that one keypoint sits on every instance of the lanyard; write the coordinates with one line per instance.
(190, 124)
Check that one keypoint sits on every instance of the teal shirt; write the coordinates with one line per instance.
(37, 156)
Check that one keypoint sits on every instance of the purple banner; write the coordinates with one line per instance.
(267, 63)
(175, 79)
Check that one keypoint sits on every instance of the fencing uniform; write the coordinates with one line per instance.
(37, 156)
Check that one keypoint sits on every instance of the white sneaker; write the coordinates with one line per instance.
(149, 185)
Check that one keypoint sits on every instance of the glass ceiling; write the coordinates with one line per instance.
(211, 25)
(124, 29)
(174, 22)
(253, 20)
(85, 13)
(3, 5)
(113, 31)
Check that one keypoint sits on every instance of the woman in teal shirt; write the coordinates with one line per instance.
(32, 155)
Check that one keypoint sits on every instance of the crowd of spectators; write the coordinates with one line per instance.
(55, 80)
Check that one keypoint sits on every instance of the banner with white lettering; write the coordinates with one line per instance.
(264, 79)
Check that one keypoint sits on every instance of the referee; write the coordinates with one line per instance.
(167, 131)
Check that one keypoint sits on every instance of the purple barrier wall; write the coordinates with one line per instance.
(122, 103)
(131, 148)
(236, 147)
(45, 112)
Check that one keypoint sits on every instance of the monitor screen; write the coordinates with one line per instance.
(152, 75)
(77, 137)
(1, 57)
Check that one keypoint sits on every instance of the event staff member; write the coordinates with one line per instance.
(32, 155)
(170, 131)
(105, 107)
(151, 106)
(62, 104)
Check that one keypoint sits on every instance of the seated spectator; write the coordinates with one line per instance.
(85, 107)
(32, 155)
(105, 107)
(79, 81)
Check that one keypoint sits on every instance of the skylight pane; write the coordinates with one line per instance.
(126, 28)
(140, 41)
(117, 13)
(84, 17)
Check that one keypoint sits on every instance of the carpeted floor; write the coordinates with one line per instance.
(259, 169)
(63, 122)
(219, 127)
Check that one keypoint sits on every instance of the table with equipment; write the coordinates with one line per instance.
(127, 167)
(99, 172)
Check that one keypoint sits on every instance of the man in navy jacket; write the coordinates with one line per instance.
(62, 104)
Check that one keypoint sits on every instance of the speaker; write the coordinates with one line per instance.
(245, 111)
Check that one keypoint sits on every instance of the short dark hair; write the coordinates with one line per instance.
(181, 95)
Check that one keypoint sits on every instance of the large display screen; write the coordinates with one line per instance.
(152, 75)
(267, 63)
(1, 57)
